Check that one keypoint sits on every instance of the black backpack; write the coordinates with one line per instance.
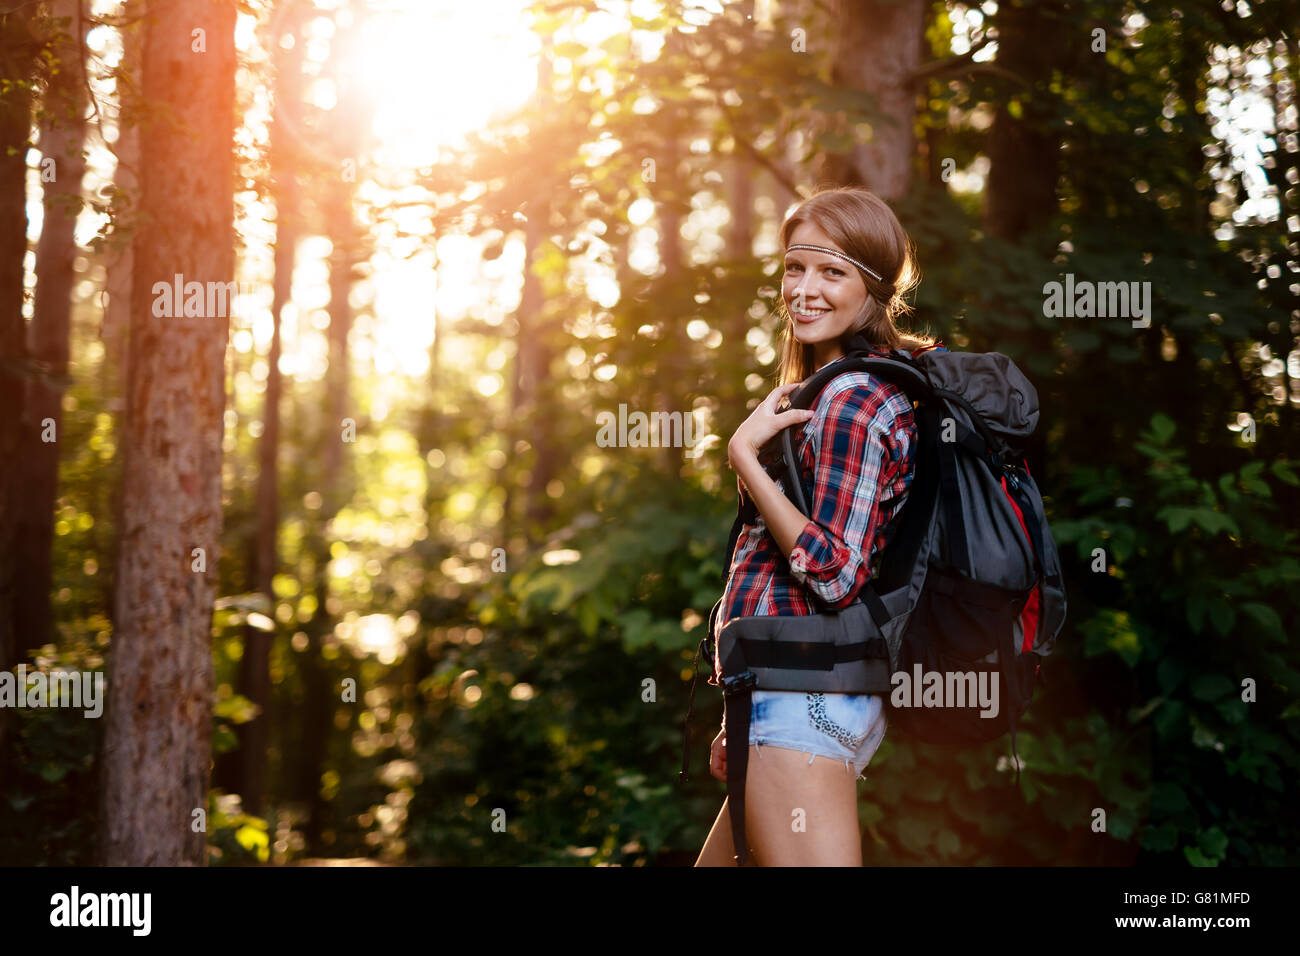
(969, 595)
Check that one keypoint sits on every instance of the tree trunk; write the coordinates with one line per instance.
(1024, 158)
(255, 674)
(1023, 152)
(157, 739)
(533, 353)
(877, 51)
(319, 697)
(120, 260)
(62, 135)
(18, 46)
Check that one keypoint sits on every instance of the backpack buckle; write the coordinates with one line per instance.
(739, 683)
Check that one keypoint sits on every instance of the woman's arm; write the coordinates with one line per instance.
(861, 457)
(784, 521)
(781, 516)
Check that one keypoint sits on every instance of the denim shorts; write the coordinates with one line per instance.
(846, 727)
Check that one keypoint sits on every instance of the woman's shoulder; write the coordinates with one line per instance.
(860, 397)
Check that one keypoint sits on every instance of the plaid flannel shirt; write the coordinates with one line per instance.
(858, 456)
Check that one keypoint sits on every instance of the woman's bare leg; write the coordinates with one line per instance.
(801, 813)
(718, 848)
(797, 814)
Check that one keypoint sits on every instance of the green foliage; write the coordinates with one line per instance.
(49, 801)
(234, 838)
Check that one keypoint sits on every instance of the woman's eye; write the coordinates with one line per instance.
(795, 267)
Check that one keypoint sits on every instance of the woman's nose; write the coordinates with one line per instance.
(805, 288)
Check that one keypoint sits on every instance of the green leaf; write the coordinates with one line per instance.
(1176, 518)
(1214, 842)
(1197, 858)
(1214, 521)
(1222, 616)
(1232, 710)
(1170, 674)
(1162, 428)
(1282, 471)
(1160, 839)
(1170, 718)
(1211, 686)
(1268, 620)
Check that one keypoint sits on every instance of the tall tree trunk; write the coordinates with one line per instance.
(1023, 150)
(255, 674)
(18, 49)
(116, 326)
(877, 51)
(63, 131)
(320, 697)
(1024, 156)
(533, 350)
(157, 739)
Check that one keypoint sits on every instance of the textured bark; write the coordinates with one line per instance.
(62, 134)
(157, 739)
(876, 52)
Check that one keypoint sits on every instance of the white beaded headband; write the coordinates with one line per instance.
(835, 252)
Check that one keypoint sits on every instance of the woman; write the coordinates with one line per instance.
(808, 750)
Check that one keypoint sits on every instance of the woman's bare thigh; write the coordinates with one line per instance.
(796, 813)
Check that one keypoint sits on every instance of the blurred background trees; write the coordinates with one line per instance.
(459, 235)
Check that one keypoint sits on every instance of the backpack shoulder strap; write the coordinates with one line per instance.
(898, 370)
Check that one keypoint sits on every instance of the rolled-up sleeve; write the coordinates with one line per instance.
(858, 445)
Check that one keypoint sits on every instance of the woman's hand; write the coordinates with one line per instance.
(764, 422)
(718, 756)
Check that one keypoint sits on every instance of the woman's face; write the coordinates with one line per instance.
(823, 293)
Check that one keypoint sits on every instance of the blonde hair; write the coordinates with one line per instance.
(862, 225)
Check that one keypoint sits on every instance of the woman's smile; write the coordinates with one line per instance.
(810, 314)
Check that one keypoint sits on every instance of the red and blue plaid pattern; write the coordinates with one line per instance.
(858, 457)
